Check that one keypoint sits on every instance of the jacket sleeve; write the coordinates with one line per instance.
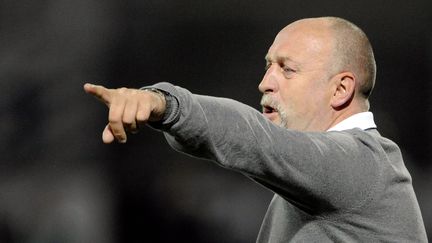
(316, 171)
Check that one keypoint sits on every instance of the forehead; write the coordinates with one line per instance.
(302, 42)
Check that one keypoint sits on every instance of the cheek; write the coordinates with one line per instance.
(294, 96)
(303, 103)
(318, 102)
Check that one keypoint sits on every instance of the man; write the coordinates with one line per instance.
(315, 144)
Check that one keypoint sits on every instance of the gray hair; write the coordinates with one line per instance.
(353, 52)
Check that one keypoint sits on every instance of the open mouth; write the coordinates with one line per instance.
(268, 109)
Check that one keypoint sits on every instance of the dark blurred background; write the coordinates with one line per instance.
(60, 183)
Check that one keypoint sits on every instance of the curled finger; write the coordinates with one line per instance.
(115, 119)
(129, 116)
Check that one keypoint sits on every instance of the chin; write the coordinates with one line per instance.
(284, 123)
(281, 123)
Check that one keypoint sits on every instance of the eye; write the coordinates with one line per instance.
(288, 70)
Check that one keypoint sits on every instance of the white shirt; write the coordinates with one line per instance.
(362, 120)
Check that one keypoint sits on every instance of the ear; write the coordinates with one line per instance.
(344, 90)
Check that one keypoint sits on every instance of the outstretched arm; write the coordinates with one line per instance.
(304, 168)
(128, 109)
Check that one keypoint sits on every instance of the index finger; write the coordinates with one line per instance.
(98, 91)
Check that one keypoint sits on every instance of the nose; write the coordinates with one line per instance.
(269, 82)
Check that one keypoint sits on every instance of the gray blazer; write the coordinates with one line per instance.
(347, 186)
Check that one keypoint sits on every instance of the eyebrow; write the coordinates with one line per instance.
(281, 59)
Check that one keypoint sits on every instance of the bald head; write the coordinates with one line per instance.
(351, 49)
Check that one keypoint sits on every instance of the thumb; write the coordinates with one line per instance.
(100, 92)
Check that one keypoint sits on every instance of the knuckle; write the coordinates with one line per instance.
(122, 90)
(114, 119)
(127, 120)
(142, 116)
(145, 94)
(121, 93)
(117, 132)
(133, 91)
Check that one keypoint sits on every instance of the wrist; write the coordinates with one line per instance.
(171, 114)
(159, 104)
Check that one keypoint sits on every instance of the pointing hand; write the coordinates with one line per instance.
(128, 109)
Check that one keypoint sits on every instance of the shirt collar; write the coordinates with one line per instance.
(362, 120)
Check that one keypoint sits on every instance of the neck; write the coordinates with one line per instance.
(353, 108)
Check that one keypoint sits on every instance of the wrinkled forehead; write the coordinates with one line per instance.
(308, 37)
